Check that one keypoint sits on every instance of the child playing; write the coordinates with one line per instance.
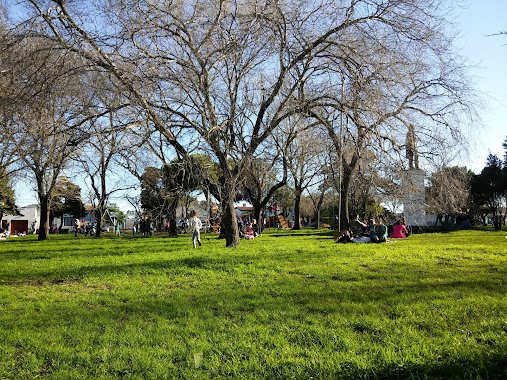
(195, 226)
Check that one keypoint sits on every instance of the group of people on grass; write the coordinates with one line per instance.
(374, 231)
(252, 230)
(82, 227)
(248, 230)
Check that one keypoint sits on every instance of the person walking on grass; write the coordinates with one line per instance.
(77, 226)
(195, 227)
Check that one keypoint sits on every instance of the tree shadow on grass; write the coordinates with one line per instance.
(295, 234)
(413, 272)
(74, 272)
(484, 367)
(213, 312)
(236, 303)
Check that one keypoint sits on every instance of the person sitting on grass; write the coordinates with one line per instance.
(371, 228)
(355, 234)
(357, 228)
(380, 232)
(399, 231)
(249, 233)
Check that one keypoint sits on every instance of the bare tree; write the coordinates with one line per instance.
(264, 175)
(66, 199)
(12, 96)
(307, 152)
(393, 101)
(449, 191)
(49, 128)
(222, 75)
(98, 159)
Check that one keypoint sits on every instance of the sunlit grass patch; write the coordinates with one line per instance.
(285, 305)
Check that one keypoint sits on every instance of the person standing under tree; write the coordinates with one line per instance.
(195, 226)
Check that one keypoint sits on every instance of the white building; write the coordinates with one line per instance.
(28, 218)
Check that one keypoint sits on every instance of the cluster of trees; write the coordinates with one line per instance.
(228, 97)
(458, 192)
(489, 190)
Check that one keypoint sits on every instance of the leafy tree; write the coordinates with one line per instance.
(113, 209)
(179, 179)
(66, 200)
(162, 190)
(161, 194)
(153, 196)
(283, 199)
(7, 200)
(489, 188)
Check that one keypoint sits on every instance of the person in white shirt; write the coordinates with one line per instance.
(195, 226)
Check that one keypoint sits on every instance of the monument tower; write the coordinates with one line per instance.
(414, 197)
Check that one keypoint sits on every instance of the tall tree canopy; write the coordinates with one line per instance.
(220, 76)
(489, 188)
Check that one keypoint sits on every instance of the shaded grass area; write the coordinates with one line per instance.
(286, 305)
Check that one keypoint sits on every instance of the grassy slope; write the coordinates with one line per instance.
(290, 306)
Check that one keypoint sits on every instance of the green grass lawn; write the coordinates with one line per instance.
(283, 306)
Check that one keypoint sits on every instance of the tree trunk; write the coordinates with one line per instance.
(348, 169)
(297, 209)
(344, 206)
(317, 218)
(44, 217)
(257, 217)
(98, 216)
(173, 207)
(60, 229)
(229, 222)
(317, 210)
(496, 219)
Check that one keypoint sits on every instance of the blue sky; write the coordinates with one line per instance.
(477, 20)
